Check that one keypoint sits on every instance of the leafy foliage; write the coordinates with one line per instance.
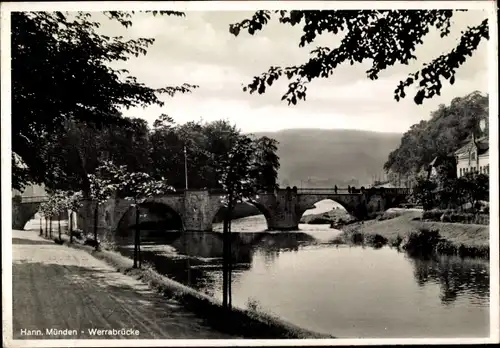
(74, 200)
(55, 205)
(102, 185)
(475, 188)
(135, 186)
(443, 134)
(386, 38)
(236, 170)
(86, 154)
(55, 54)
(453, 192)
(424, 193)
(267, 163)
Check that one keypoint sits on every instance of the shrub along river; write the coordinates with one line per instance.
(350, 292)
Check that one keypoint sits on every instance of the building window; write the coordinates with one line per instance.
(473, 156)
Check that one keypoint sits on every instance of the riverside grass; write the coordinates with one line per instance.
(454, 238)
(243, 323)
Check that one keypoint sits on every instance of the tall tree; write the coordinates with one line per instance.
(83, 146)
(60, 71)
(236, 169)
(386, 38)
(267, 162)
(166, 152)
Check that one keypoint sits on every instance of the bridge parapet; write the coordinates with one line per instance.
(327, 191)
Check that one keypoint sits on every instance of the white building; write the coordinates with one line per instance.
(473, 157)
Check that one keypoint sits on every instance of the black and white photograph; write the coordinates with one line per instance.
(215, 173)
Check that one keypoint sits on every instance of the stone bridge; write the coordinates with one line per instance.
(282, 208)
(24, 209)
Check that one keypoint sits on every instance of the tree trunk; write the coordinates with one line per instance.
(136, 238)
(71, 226)
(230, 262)
(50, 230)
(188, 259)
(96, 211)
(59, 226)
(224, 261)
(41, 226)
(226, 255)
(46, 227)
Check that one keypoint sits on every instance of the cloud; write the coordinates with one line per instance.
(199, 49)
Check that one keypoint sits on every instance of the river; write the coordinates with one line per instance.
(350, 292)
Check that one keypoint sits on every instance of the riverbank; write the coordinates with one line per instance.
(452, 238)
(244, 323)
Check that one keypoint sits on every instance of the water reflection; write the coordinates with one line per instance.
(177, 252)
(348, 292)
(456, 276)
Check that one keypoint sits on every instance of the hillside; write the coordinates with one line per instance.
(446, 131)
(328, 157)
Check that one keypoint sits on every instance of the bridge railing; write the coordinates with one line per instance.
(322, 190)
(396, 190)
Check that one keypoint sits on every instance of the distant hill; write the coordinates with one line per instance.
(328, 157)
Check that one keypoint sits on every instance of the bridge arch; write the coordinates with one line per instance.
(353, 204)
(259, 207)
(164, 217)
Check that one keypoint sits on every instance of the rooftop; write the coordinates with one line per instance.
(482, 146)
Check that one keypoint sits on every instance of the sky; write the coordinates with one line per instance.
(198, 49)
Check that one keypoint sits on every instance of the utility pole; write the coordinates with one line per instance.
(185, 166)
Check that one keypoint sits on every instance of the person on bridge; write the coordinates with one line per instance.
(349, 188)
(336, 189)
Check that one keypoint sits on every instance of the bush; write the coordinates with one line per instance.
(353, 237)
(375, 240)
(421, 242)
(445, 247)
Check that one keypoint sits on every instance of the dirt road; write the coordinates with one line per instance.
(59, 288)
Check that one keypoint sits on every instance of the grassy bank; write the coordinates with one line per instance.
(245, 323)
(401, 231)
